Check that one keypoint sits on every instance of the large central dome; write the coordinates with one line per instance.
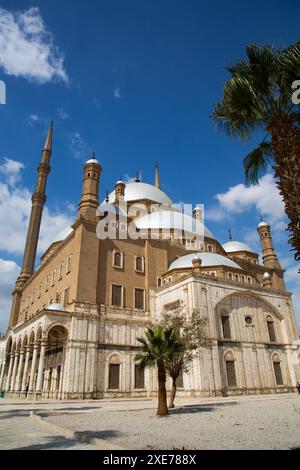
(140, 191)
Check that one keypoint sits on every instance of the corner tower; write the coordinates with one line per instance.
(269, 256)
(89, 200)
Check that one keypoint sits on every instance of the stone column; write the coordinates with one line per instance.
(14, 372)
(11, 360)
(39, 381)
(20, 370)
(2, 376)
(33, 365)
(25, 372)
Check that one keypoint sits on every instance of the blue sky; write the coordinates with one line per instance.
(134, 81)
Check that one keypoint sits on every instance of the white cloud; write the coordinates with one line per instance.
(117, 93)
(27, 48)
(15, 206)
(264, 197)
(11, 170)
(79, 147)
(9, 270)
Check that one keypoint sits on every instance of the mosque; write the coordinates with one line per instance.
(75, 318)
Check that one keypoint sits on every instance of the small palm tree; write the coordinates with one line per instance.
(258, 96)
(158, 346)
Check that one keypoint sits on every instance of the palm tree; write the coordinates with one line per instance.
(258, 96)
(158, 346)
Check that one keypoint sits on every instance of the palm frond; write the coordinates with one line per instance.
(257, 162)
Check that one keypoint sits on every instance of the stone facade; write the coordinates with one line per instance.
(75, 320)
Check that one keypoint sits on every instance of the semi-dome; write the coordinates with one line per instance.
(174, 220)
(233, 246)
(137, 191)
(208, 259)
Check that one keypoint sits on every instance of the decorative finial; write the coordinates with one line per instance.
(94, 155)
(137, 178)
(229, 234)
(157, 178)
(261, 218)
(51, 125)
(107, 196)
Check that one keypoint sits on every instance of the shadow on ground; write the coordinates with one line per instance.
(191, 409)
(63, 443)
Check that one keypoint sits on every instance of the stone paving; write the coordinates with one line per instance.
(20, 431)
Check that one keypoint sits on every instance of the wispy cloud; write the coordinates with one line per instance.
(27, 48)
(117, 93)
(62, 114)
(79, 147)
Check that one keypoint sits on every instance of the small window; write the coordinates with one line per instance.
(139, 264)
(114, 377)
(116, 296)
(40, 290)
(278, 373)
(66, 297)
(231, 376)
(226, 327)
(237, 277)
(159, 282)
(230, 276)
(117, 259)
(53, 277)
(248, 320)
(139, 377)
(139, 299)
(271, 331)
(69, 264)
(61, 268)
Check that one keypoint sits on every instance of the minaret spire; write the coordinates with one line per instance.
(38, 201)
(48, 142)
(157, 178)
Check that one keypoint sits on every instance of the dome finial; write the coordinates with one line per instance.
(138, 177)
(107, 196)
(230, 234)
(157, 178)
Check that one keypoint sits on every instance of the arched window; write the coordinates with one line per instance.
(139, 264)
(226, 326)
(277, 370)
(230, 372)
(117, 259)
(271, 329)
(114, 373)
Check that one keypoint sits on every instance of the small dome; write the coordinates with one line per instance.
(233, 246)
(56, 306)
(266, 275)
(262, 224)
(208, 259)
(120, 182)
(93, 160)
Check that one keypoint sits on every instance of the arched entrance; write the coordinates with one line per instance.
(55, 353)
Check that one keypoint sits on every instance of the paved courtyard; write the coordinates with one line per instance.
(250, 422)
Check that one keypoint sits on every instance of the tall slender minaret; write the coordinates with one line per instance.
(269, 256)
(157, 178)
(38, 201)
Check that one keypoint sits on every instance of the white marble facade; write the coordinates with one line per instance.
(60, 354)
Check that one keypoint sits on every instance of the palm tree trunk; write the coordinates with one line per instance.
(162, 408)
(173, 394)
(286, 147)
